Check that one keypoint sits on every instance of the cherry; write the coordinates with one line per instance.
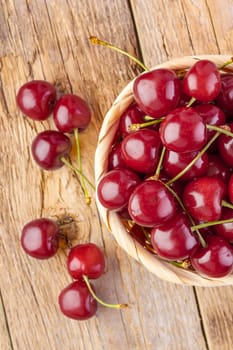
(225, 147)
(215, 260)
(216, 167)
(230, 188)
(225, 230)
(85, 259)
(115, 188)
(151, 204)
(49, 147)
(132, 115)
(157, 92)
(76, 301)
(115, 158)
(203, 198)
(40, 238)
(71, 112)
(174, 163)
(202, 81)
(140, 150)
(174, 239)
(36, 99)
(225, 98)
(183, 130)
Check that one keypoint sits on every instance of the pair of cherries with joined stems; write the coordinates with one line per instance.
(51, 149)
(170, 166)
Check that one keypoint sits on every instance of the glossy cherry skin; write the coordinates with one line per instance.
(36, 99)
(48, 147)
(40, 238)
(157, 92)
(203, 198)
(115, 158)
(174, 239)
(202, 81)
(225, 230)
(76, 301)
(230, 188)
(151, 204)
(215, 260)
(115, 188)
(174, 163)
(71, 112)
(225, 98)
(225, 147)
(85, 259)
(183, 130)
(216, 167)
(132, 115)
(140, 150)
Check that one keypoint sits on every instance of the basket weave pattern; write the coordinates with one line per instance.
(159, 267)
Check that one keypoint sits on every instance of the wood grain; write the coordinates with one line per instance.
(42, 39)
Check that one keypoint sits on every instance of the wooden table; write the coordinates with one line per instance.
(49, 40)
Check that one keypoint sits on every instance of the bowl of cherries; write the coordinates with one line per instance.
(163, 168)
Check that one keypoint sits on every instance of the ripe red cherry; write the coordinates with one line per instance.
(202, 81)
(225, 147)
(174, 163)
(230, 189)
(85, 259)
(216, 167)
(132, 115)
(115, 158)
(48, 147)
(157, 92)
(76, 301)
(203, 198)
(225, 97)
(174, 239)
(140, 150)
(225, 230)
(115, 188)
(183, 130)
(36, 99)
(71, 112)
(215, 260)
(40, 238)
(151, 204)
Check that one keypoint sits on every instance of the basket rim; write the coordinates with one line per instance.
(161, 268)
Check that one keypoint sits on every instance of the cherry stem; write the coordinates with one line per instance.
(94, 40)
(159, 166)
(211, 223)
(204, 149)
(182, 264)
(146, 234)
(227, 63)
(79, 163)
(227, 205)
(191, 102)
(77, 172)
(138, 126)
(224, 129)
(116, 306)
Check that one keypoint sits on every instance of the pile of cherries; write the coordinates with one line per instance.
(51, 149)
(170, 167)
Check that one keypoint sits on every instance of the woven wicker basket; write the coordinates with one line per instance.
(159, 267)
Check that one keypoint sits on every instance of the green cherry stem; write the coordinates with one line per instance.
(159, 166)
(204, 149)
(191, 102)
(77, 172)
(138, 126)
(146, 234)
(94, 40)
(227, 63)
(115, 306)
(211, 223)
(79, 164)
(224, 129)
(227, 205)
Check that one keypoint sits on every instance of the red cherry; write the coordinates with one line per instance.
(216, 167)
(215, 260)
(71, 112)
(183, 130)
(40, 238)
(225, 147)
(157, 92)
(85, 259)
(225, 98)
(225, 230)
(174, 239)
(140, 150)
(230, 189)
(202, 81)
(76, 301)
(115, 158)
(48, 147)
(115, 188)
(36, 99)
(151, 204)
(132, 115)
(203, 198)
